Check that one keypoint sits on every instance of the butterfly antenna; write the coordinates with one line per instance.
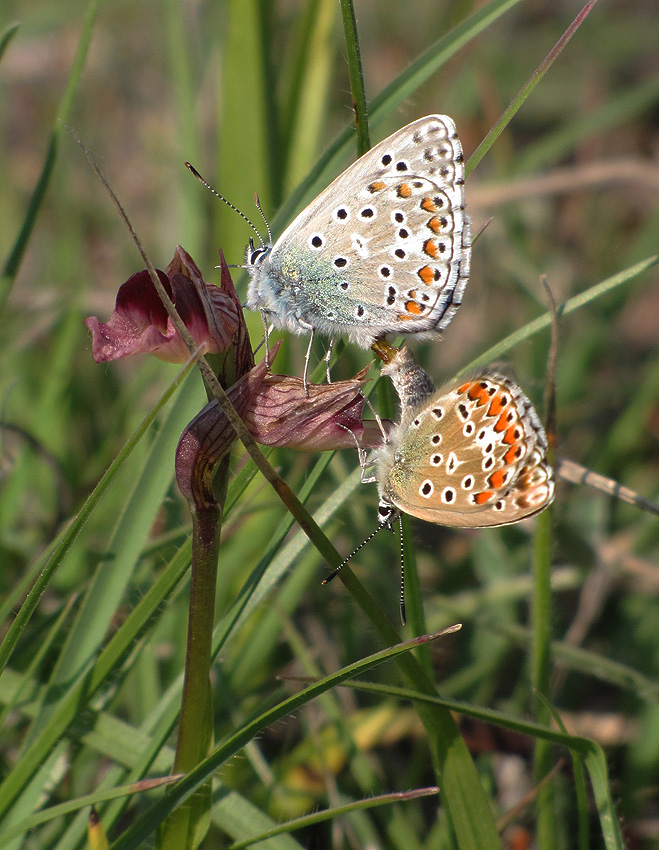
(335, 572)
(403, 618)
(228, 203)
(267, 226)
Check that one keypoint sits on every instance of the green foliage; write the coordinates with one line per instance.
(257, 96)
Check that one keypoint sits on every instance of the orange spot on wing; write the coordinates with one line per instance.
(481, 498)
(511, 455)
(501, 424)
(434, 224)
(428, 205)
(413, 307)
(497, 479)
(463, 388)
(427, 274)
(510, 437)
(478, 393)
(376, 186)
(496, 406)
(430, 248)
(475, 391)
(404, 190)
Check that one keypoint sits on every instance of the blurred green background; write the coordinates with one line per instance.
(252, 94)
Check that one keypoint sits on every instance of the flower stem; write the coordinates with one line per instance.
(187, 825)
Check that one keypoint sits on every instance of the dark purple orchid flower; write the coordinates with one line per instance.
(140, 324)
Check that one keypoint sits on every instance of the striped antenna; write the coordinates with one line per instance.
(228, 203)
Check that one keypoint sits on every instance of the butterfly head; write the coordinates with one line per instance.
(387, 513)
(254, 255)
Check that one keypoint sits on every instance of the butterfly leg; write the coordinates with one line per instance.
(306, 361)
(364, 462)
(328, 357)
(366, 476)
(385, 438)
(266, 339)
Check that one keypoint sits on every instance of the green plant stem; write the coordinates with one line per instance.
(540, 674)
(356, 76)
(187, 825)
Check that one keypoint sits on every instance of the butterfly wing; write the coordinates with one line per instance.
(473, 456)
(385, 248)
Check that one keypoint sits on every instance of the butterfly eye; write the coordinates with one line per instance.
(257, 254)
(385, 512)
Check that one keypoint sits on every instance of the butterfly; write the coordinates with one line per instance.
(383, 249)
(472, 454)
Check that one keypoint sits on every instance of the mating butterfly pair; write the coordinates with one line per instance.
(386, 249)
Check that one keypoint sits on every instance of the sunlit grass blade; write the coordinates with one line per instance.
(95, 676)
(150, 820)
(6, 37)
(584, 748)
(392, 96)
(339, 811)
(77, 803)
(307, 79)
(82, 517)
(575, 303)
(526, 90)
(13, 262)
